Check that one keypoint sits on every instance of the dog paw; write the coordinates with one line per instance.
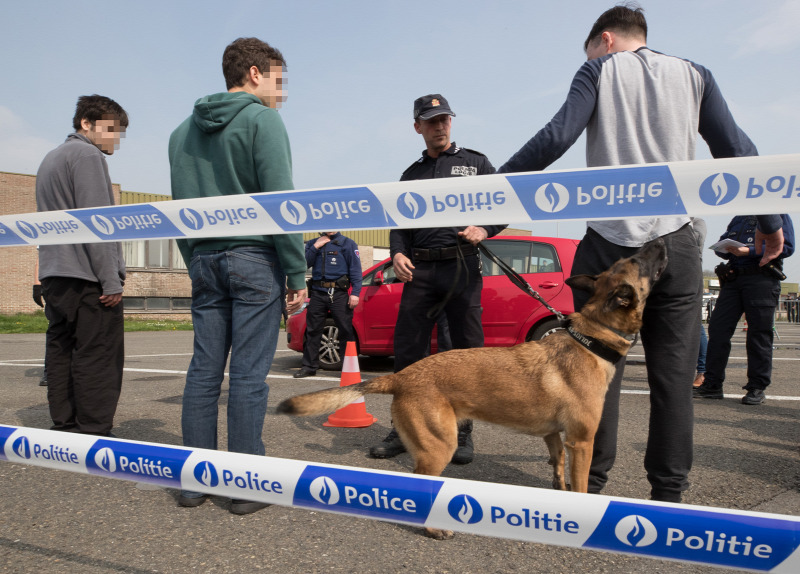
(438, 534)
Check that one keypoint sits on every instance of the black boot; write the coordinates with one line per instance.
(390, 446)
(465, 450)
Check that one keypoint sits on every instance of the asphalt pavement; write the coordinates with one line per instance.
(746, 457)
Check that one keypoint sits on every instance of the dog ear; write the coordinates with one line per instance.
(583, 282)
(624, 295)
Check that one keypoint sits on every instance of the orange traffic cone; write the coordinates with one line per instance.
(355, 414)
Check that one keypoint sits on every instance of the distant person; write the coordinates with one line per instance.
(700, 376)
(791, 309)
(700, 231)
(640, 106)
(235, 143)
(440, 266)
(746, 287)
(82, 283)
(336, 267)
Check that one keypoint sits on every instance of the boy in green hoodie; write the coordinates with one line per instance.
(234, 143)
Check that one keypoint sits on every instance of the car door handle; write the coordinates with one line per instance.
(548, 285)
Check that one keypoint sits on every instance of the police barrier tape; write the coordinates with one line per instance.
(736, 539)
(752, 185)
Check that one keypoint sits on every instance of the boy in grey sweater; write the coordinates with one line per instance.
(82, 283)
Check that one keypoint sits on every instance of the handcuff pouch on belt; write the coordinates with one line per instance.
(725, 272)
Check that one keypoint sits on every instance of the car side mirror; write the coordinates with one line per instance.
(378, 279)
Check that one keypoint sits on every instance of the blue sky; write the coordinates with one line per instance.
(355, 67)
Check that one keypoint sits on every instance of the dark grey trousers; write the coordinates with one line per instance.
(671, 339)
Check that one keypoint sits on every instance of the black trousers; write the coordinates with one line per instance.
(671, 339)
(757, 297)
(432, 281)
(84, 356)
(316, 314)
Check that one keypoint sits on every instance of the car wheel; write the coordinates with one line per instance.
(545, 329)
(330, 358)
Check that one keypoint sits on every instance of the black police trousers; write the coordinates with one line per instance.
(430, 284)
(316, 314)
(757, 297)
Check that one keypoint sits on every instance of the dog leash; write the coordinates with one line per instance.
(518, 280)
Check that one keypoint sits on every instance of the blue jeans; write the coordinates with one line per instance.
(237, 298)
(701, 356)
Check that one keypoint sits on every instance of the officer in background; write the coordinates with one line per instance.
(441, 267)
(336, 266)
(753, 290)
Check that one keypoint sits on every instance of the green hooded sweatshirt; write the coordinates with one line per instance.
(233, 144)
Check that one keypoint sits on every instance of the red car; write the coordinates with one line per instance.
(509, 316)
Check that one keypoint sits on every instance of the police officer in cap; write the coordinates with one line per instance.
(336, 267)
(440, 267)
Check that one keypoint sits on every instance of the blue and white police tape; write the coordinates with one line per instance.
(737, 539)
(753, 185)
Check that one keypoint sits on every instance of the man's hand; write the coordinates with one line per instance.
(111, 300)
(352, 302)
(474, 234)
(37, 295)
(403, 268)
(321, 241)
(773, 243)
(738, 251)
(294, 300)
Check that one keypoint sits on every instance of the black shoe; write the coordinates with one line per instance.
(191, 501)
(304, 372)
(706, 392)
(390, 447)
(753, 397)
(465, 450)
(43, 381)
(246, 506)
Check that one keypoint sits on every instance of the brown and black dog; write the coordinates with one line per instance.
(541, 388)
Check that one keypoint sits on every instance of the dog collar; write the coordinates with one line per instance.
(600, 349)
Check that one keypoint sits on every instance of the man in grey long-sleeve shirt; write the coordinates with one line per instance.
(640, 106)
(82, 283)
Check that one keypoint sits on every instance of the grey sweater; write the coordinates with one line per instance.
(74, 176)
(637, 107)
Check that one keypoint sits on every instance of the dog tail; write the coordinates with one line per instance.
(329, 400)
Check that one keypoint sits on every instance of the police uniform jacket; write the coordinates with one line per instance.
(336, 258)
(742, 228)
(453, 162)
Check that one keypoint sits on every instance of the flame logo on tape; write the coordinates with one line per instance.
(636, 531)
(102, 224)
(465, 509)
(411, 205)
(292, 212)
(104, 459)
(324, 490)
(22, 447)
(27, 229)
(206, 474)
(551, 197)
(191, 218)
(719, 189)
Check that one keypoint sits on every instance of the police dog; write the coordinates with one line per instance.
(541, 388)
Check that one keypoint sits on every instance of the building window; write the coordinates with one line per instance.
(157, 304)
(154, 254)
